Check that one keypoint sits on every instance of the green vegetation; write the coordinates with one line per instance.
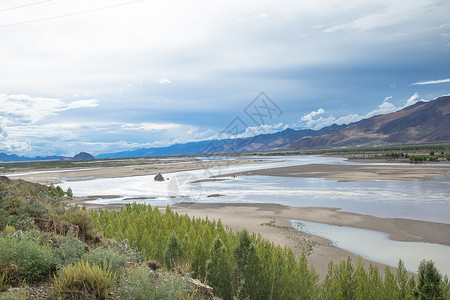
(25, 257)
(83, 280)
(43, 242)
(245, 266)
(143, 284)
(54, 249)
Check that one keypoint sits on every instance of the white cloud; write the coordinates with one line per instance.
(82, 104)
(255, 130)
(385, 14)
(148, 126)
(386, 107)
(313, 114)
(412, 100)
(432, 81)
(18, 109)
(3, 133)
(164, 81)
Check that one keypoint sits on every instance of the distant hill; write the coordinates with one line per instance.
(83, 156)
(13, 157)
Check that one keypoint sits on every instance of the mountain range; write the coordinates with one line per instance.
(423, 122)
(13, 157)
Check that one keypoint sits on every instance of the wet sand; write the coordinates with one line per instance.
(352, 172)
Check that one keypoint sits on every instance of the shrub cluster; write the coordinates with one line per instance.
(143, 284)
(82, 280)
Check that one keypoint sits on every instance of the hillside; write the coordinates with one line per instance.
(423, 122)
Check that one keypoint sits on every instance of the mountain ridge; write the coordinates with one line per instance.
(420, 123)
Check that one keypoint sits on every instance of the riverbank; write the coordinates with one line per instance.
(274, 222)
(55, 176)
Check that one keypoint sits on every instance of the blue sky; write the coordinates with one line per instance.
(148, 73)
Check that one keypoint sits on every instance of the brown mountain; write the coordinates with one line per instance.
(423, 122)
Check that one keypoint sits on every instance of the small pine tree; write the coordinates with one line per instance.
(173, 252)
(219, 271)
(69, 193)
(429, 281)
(241, 250)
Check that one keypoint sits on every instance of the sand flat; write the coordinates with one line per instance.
(56, 176)
(352, 172)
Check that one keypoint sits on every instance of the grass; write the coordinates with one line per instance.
(83, 280)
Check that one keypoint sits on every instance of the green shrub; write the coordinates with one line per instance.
(4, 285)
(173, 252)
(23, 257)
(122, 247)
(143, 284)
(86, 230)
(9, 230)
(106, 258)
(70, 250)
(17, 294)
(82, 281)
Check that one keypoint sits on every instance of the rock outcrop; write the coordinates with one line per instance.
(159, 177)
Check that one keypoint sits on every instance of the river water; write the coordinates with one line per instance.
(426, 200)
(376, 246)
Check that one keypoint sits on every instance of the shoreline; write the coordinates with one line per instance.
(350, 173)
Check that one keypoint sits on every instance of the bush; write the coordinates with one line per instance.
(23, 257)
(82, 281)
(70, 250)
(121, 247)
(106, 258)
(86, 230)
(142, 284)
(16, 294)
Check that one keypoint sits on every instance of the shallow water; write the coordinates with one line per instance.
(376, 246)
(421, 199)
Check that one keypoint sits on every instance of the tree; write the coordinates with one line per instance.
(241, 250)
(219, 270)
(69, 193)
(429, 281)
(173, 251)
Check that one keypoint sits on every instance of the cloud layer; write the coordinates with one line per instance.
(156, 73)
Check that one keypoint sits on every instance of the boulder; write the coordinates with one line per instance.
(159, 177)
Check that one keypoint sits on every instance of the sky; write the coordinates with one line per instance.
(104, 76)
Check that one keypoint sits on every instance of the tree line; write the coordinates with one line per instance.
(239, 265)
